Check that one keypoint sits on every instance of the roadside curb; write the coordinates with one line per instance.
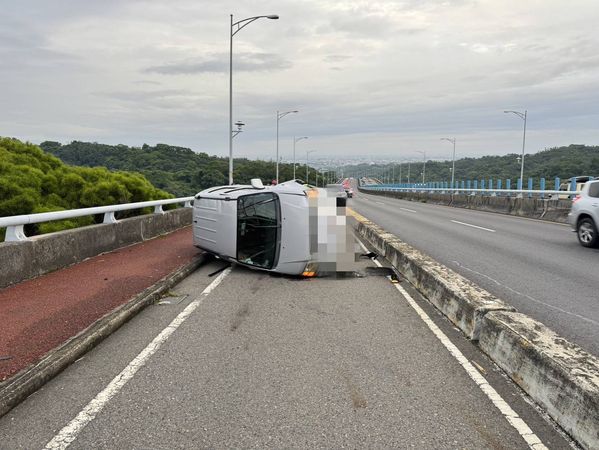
(17, 388)
(557, 374)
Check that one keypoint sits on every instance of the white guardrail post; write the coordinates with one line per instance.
(14, 224)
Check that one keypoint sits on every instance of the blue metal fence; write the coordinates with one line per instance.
(487, 187)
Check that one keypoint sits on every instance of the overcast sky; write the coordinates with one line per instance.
(387, 78)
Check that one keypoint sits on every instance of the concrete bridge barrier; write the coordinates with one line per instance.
(42, 254)
(535, 208)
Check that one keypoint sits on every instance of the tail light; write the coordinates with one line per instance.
(575, 199)
(311, 269)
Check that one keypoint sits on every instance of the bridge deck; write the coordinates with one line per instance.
(267, 361)
(40, 314)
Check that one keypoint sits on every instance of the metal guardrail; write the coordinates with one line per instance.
(553, 195)
(14, 224)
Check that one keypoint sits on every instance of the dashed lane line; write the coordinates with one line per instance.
(505, 286)
(506, 410)
(473, 226)
(69, 433)
(409, 210)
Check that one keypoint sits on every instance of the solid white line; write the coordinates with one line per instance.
(69, 433)
(473, 226)
(506, 410)
(409, 210)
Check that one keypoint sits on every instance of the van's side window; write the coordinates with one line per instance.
(594, 190)
(258, 222)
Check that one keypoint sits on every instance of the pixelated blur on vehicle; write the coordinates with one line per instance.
(285, 228)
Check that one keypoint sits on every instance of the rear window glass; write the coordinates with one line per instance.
(258, 229)
(594, 189)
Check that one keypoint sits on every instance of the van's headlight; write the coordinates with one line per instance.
(310, 269)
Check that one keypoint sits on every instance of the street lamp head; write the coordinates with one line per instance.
(272, 16)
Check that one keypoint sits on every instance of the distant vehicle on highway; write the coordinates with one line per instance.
(271, 228)
(337, 190)
(566, 186)
(584, 215)
(347, 187)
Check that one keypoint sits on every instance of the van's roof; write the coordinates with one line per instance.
(233, 191)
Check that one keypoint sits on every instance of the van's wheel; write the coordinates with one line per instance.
(587, 233)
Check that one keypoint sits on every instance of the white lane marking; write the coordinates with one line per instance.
(594, 322)
(473, 226)
(69, 433)
(380, 203)
(506, 410)
(409, 210)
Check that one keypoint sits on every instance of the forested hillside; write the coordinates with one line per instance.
(33, 181)
(562, 162)
(177, 170)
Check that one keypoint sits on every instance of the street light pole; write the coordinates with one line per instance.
(523, 117)
(280, 115)
(239, 24)
(423, 165)
(307, 154)
(295, 140)
(452, 140)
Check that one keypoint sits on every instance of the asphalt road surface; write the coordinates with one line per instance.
(538, 267)
(263, 361)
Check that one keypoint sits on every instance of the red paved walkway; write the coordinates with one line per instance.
(38, 315)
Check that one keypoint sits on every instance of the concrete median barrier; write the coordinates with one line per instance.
(534, 208)
(557, 374)
(560, 376)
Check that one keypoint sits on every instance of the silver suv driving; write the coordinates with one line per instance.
(584, 215)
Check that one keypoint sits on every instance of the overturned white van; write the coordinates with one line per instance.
(272, 228)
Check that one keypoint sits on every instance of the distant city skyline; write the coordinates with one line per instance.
(382, 78)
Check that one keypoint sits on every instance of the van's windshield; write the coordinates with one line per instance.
(258, 229)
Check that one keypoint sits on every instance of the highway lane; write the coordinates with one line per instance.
(538, 267)
(272, 362)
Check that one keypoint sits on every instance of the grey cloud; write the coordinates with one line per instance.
(148, 82)
(336, 58)
(219, 63)
(22, 47)
(139, 95)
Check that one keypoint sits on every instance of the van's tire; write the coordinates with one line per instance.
(586, 230)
